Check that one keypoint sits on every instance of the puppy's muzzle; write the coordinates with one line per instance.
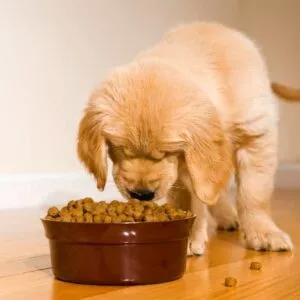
(143, 195)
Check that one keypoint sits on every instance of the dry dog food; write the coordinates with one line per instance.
(230, 281)
(88, 211)
(255, 265)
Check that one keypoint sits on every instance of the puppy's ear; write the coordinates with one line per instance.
(209, 162)
(91, 146)
(173, 144)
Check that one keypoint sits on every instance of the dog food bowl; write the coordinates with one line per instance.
(118, 254)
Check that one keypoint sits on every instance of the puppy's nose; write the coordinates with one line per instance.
(143, 195)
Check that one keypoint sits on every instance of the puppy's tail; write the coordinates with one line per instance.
(285, 92)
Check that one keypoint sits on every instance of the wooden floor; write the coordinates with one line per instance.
(25, 271)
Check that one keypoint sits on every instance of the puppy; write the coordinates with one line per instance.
(180, 120)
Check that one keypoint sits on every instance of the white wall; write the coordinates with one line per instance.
(52, 54)
(275, 25)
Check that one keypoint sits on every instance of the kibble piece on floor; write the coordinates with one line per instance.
(255, 265)
(230, 281)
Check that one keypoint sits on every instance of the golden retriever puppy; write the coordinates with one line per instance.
(180, 120)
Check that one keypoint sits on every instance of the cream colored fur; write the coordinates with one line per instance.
(181, 119)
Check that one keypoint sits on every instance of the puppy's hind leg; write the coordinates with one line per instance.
(225, 213)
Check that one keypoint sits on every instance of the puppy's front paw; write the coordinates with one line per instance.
(225, 216)
(229, 224)
(196, 246)
(275, 240)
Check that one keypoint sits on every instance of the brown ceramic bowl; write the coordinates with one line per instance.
(118, 254)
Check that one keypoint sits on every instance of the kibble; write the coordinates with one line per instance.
(137, 215)
(87, 200)
(230, 281)
(79, 219)
(100, 209)
(76, 212)
(255, 265)
(53, 212)
(64, 210)
(79, 203)
(88, 218)
(98, 219)
(88, 211)
(71, 204)
(120, 209)
(66, 217)
(107, 219)
(88, 207)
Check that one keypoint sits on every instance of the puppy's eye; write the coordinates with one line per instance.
(154, 181)
(157, 154)
(128, 152)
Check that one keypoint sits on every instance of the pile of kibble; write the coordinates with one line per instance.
(88, 211)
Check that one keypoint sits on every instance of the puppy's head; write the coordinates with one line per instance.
(148, 120)
(140, 171)
(142, 176)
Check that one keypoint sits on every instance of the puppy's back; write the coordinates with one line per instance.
(225, 63)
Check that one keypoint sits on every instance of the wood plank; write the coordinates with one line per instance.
(209, 284)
